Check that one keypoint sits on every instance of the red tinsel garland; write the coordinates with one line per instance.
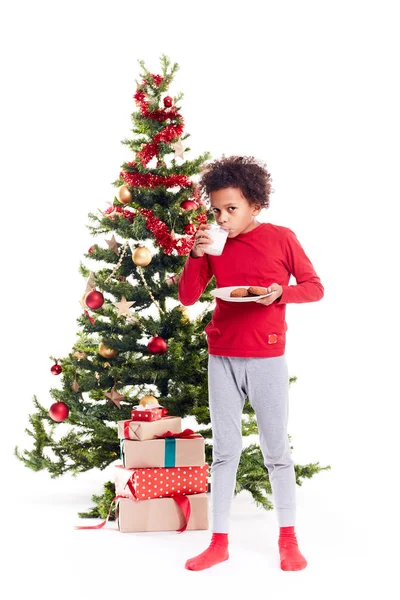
(115, 208)
(169, 133)
(158, 79)
(151, 149)
(158, 228)
(157, 115)
(149, 180)
(163, 237)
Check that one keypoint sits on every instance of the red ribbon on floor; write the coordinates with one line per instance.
(182, 501)
(100, 525)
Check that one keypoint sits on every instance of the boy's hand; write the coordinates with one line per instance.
(276, 290)
(201, 240)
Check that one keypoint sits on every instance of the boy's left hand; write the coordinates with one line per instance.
(276, 290)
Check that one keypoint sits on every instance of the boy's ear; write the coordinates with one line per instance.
(256, 209)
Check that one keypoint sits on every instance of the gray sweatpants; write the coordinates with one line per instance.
(265, 381)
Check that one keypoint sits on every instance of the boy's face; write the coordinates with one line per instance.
(233, 211)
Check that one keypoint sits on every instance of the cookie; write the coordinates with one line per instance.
(239, 293)
(255, 290)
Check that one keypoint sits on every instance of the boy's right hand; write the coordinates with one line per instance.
(201, 240)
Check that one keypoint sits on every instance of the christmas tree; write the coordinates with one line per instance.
(134, 338)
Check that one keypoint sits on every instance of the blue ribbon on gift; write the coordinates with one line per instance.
(169, 455)
(170, 452)
(121, 449)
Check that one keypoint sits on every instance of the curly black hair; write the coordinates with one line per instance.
(242, 172)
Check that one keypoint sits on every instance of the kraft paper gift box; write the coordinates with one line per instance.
(161, 514)
(146, 484)
(142, 430)
(167, 452)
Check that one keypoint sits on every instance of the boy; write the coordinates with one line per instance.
(246, 342)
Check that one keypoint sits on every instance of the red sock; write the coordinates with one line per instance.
(291, 557)
(216, 552)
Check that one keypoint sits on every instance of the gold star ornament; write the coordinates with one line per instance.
(113, 244)
(123, 307)
(178, 148)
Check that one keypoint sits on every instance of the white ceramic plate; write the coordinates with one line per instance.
(224, 294)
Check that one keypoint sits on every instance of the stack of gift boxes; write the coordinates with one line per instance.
(162, 482)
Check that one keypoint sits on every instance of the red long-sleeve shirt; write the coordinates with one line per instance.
(265, 255)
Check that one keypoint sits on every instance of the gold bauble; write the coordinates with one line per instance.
(124, 195)
(141, 256)
(148, 400)
(185, 313)
(106, 352)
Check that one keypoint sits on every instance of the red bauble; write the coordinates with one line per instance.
(189, 205)
(168, 101)
(190, 229)
(90, 250)
(59, 411)
(94, 300)
(56, 369)
(157, 345)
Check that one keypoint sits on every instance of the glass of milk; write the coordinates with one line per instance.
(219, 236)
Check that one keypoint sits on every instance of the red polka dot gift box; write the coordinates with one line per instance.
(148, 414)
(146, 484)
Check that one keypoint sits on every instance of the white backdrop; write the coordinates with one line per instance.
(309, 87)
